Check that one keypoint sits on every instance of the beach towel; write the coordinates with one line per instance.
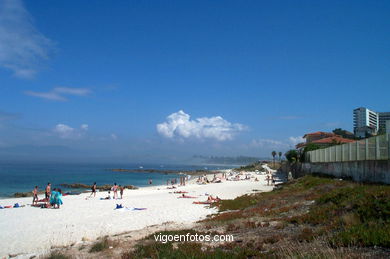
(1, 207)
(202, 202)
(129, 208)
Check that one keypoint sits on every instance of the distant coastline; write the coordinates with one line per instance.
(163, 171)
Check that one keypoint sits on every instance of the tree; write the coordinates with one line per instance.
(308, 147)
(274, 154)
(292, 155)
(344, 133)
(280, 156)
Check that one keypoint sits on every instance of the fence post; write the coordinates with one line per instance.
(357, 151)
(350, 151)
(388, 145)
(377, 150)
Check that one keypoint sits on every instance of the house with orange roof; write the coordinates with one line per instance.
(322, 139)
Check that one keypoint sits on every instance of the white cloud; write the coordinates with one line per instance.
(275, 144)
(84, 127)
(72, 91)
(59, 93)
(268, 143)
(66, 132)
(179, 124)
(113, 136)
(296, 140)
(22, 46)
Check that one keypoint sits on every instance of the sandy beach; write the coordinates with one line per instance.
(31, 231)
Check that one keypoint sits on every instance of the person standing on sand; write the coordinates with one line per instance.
(121, 191)
(48, 192)
(93, 190)
(115, 190)
(35, 195)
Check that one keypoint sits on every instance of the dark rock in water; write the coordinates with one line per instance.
(24, 194)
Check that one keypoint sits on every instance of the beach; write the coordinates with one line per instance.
(31, 231)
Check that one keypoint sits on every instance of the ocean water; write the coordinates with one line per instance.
(22, 177)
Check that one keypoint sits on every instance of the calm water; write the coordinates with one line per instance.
(22, 177)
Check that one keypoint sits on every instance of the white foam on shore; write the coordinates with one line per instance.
(31, 230)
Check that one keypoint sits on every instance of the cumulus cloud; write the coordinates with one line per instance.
(60, 93)
(22, 47)
(66, 132)
(180, 125)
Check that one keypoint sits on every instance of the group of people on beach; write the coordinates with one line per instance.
(115, 188)
(53, 198)
(183, 180)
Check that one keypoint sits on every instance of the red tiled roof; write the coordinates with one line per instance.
(331, 140)
(319, 133)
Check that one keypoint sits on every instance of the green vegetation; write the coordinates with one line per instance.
(344, 133)
(188, 250)
(273, 155)
(100, 245)
(150, 249)
(310, 217)
(292, 155)
(57, 255)
(355, 214)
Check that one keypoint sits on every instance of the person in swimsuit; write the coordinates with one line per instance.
(35, 195)
(48, 191)
(121, 191)
(93, 190)
(115, 190)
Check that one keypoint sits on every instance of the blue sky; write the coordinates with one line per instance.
(100, 78)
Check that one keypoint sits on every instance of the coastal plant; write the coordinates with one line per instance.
(57, 255)
(100, 245)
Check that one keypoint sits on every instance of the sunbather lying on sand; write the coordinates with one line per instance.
(186, 196)
(210, 200)
(180, 192)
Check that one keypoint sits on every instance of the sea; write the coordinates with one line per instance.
(24, 176)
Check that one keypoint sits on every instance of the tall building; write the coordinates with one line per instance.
(365, 122)
(383, 117)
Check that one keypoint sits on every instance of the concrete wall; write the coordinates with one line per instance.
(376, 171)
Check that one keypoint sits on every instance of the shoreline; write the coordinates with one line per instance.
(85, 188)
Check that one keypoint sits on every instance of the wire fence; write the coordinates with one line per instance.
(375, 148)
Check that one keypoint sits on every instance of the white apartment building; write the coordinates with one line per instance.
(365, 121)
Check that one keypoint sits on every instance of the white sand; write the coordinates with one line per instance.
(29, 230)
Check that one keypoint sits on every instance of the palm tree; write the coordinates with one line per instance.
(280, 156)
(274, 154)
